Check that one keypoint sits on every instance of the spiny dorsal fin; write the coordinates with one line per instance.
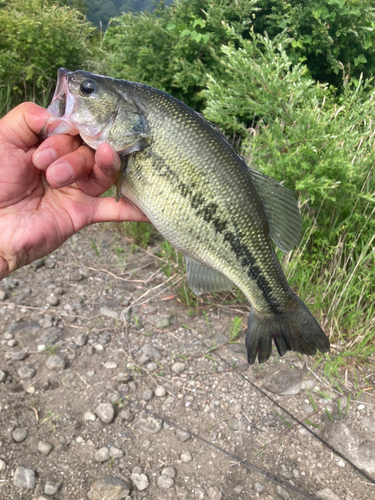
(203, 279)
(281, 209)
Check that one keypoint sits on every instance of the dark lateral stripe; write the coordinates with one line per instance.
(209, 213)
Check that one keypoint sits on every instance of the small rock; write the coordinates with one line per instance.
(178, 367)
(102, 455)
(110, 365)
(307, 408)
(282, 493)
(89, 417)
(12, 343)
(369, 423)
(37, 264)
(160, 391)
(2, 376)
(8, 335)
(105, 412)
(284, 382)
(234, 424)
(147, 395)
(169, 471)
(18, 356)
(149, 424)
(326, 494)
(52, 300)
(214, 493)
(182, 435)
(51, 488)
(152, 367)
(3, 465)
(81, 340)
(111, 488)
(235, 408)
(24, 478)
(45, 448)
(258, 487)
(165, 482)
(110, 313)
(163, 322)
(56, 363)
(90, 350)
(76, 276)
(50, 264)
(150, 350)
(186, 457)
(127, 415)
(3, 295)
(140, 480)
(19, 434)
(116, 452)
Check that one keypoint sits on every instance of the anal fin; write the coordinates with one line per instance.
(203, 279)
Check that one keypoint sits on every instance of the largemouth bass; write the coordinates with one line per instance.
(202, 197)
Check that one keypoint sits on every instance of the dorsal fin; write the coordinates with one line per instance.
(281, 209)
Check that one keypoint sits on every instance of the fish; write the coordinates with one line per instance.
(199, 193)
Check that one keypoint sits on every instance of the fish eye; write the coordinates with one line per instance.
(87, 87)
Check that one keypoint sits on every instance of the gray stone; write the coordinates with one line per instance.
(149, 424)
(284, 382)
(152, 367)
(51, 488)
(182, 435)
(19, 434)
(326, 494)
(3, 465)
(50, 264)
(111, 488)
(3, 294)
(116, 452)
(160, 391)
(105, 412)
(366, 456)
(369, 423)
(147, 395)
(89, 417)
(45, 448)
(110, 313)
(307, 408)
(169, 471)
(18, 356)
(12, 343)
(150, 350)
(8, 336)
(214, 493)
(127, 415)
(234, 408)
(110, 365)
(102, 455)
(24, 478)
(258, 487)
(165, 482)
(234, 424)
(55, 363)
(282, 493)
(163, 322)
(37, 264)
(2, 376)
(81, 340)
(76, 276)
(52, 300)
(178, 367)
(186, 457)
(140, 480)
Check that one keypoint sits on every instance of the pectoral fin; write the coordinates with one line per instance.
(202, 279)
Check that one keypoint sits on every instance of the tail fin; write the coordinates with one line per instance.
(295, 330)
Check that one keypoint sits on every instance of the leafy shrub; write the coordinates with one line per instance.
(37, 38)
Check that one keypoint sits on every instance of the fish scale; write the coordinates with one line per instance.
(201, 196)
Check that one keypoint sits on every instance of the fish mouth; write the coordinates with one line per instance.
(61, 108)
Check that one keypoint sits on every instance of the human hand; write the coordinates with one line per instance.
(49, 190)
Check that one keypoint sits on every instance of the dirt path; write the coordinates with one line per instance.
(90, 344)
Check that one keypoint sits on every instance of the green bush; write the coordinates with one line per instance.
(37, 38)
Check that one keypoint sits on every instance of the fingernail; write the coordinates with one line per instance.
(62, 173)
(45, 157)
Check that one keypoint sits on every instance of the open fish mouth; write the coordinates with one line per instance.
(59, 100)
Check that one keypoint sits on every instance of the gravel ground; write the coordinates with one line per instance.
(108, 382)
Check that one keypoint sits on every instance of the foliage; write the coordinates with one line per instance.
(172, 48)
(37, 38)
(293, 130)
(330, 36)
